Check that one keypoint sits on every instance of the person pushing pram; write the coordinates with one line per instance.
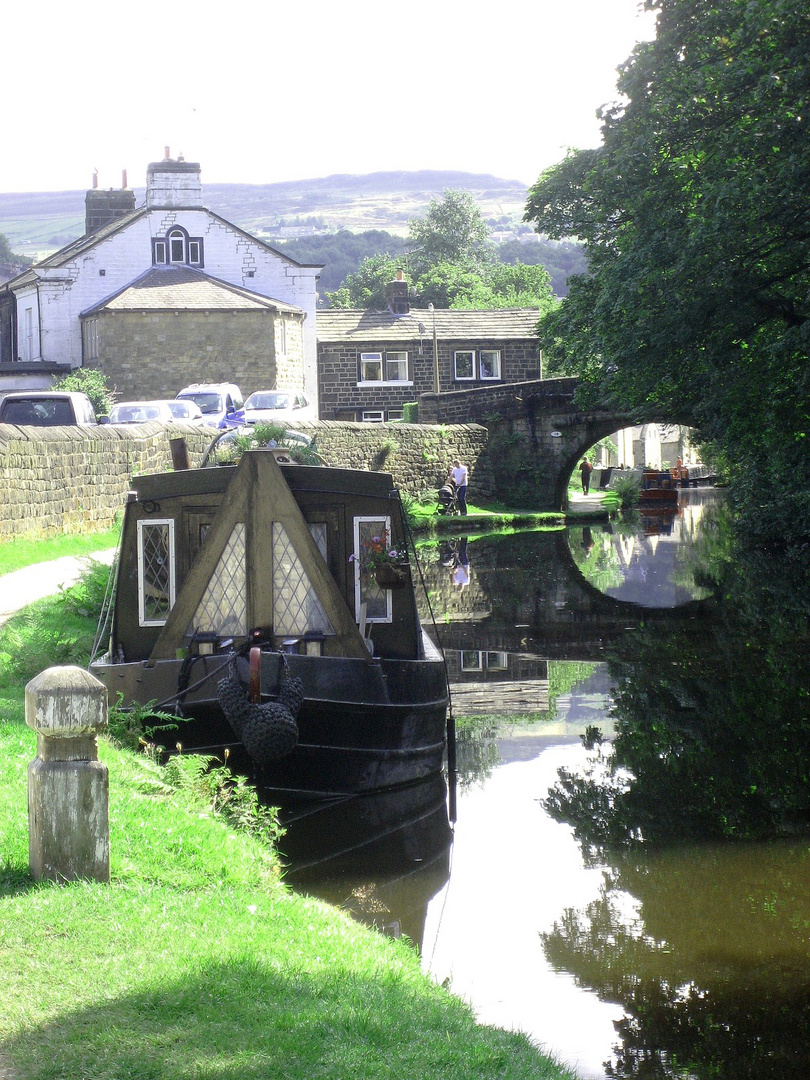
(448, 503)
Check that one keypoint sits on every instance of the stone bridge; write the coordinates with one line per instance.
(537, 434)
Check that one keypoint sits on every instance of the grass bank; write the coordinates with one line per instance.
(15, 554)
(196, 961)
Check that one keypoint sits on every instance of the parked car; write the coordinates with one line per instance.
(219, 402)
(271, 406)
(141, 412)
(46, 408)
(185, 410)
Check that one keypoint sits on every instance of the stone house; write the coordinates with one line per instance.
(161, 295)
(371, 362)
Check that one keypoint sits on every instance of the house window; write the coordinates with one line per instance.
(91, 339)
(156, 574)
(373, 416)
(471, 660)
(464, 365)
(366, 590)
(394, 414)
(370, 367)
(28, 334)
(177, 246)
(396, 367)
(489, 364)
(497, 661)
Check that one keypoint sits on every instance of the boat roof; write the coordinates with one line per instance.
(313, 478)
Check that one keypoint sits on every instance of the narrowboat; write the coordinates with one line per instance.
(248, 602)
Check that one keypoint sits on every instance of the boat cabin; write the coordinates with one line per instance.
(210, 556)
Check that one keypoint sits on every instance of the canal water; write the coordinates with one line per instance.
(627, 875)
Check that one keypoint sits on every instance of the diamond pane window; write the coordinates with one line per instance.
(296, 607)
(156, 581)
(223, 608)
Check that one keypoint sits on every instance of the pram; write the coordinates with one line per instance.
(447, 498)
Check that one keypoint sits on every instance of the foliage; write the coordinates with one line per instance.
(24, 551)
(377, 553)
(9, 258)
(451, 230)
(561, 258)
(451, 265)
(366, 287)
(341, 253)
(711, 716)
(91, 382)
(410, 412)
(628, 489)
(693, 212)
(87, 596)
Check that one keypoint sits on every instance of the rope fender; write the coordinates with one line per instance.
(267, 731)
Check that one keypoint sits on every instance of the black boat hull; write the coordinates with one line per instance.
(363, 726)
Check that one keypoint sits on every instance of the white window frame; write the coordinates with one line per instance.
(475, 661)
(496, 353)
(142, 524)
(359, 550)
(373, 416)
(381, 360)
(177, 236)
(396, 357)
(394, 414)
(161, 256)
(464, 352)
(370, 358)
(496, 660)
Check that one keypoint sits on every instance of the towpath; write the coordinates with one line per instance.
(31, 583)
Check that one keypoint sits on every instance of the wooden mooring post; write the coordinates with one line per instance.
(68, 787)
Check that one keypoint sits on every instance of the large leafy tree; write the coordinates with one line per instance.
(694, 216)
(452, 229)
(450, 264)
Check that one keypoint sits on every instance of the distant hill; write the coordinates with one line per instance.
(38, 223)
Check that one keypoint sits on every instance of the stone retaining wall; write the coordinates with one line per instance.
(65, 480)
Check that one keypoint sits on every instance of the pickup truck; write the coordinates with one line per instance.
(46, 408)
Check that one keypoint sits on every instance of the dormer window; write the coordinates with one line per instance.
(177, 248)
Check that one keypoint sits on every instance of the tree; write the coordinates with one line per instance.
(366, 287)
(451, 230)
(7, 256)
(92, 382)
(693, 213)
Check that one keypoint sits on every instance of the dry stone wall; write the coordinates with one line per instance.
(65, 480)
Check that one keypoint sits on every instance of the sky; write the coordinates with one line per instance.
(260, 92)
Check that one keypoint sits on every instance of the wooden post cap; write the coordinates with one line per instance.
(66, 703)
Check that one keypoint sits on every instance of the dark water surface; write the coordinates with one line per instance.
(649, 914)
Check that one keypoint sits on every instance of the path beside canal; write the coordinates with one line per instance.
(35, 582)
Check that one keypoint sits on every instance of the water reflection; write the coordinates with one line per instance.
(641, 908)
(649, 558)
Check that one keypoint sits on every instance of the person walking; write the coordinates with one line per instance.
(459, 474)
(585, 470)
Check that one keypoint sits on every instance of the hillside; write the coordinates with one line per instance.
(38, 223)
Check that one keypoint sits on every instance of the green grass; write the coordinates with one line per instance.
(14, 554)
(196, 961)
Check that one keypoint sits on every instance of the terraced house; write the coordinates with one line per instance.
(370, 363)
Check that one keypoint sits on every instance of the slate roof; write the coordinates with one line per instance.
(504, 324)
(182, 288)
